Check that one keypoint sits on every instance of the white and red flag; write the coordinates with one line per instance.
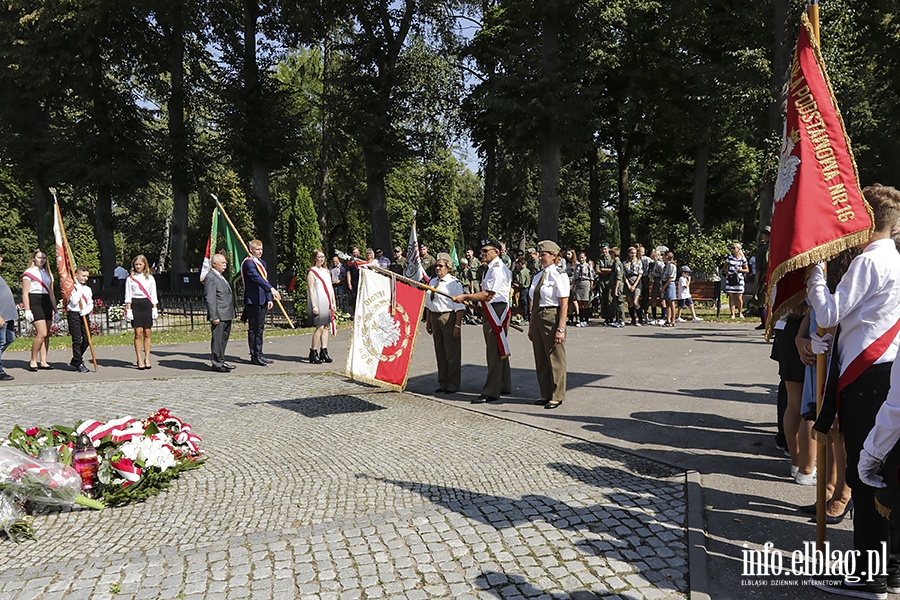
(65, 263)
(413, 268)
(384, 330)
(819, 206)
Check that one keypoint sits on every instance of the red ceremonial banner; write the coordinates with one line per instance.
(384, 330)
(819, 208)
(64, 264)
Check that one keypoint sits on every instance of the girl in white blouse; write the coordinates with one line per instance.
(141, 307)
(40, 307)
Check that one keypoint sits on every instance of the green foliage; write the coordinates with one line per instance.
(297, 230)
(702, 250)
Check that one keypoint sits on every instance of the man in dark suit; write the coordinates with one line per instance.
(258, 298)
(219, 310)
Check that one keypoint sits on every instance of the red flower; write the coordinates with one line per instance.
(31, 432)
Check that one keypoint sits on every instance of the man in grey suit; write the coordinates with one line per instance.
(219, 311)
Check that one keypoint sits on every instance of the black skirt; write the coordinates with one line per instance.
(41, 306)
(142, 310)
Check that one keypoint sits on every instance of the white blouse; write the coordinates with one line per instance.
(555, 285)
(439, 304)
(42, 275)
(133, 290)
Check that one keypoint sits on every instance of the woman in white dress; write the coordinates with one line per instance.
(40, 307)
(141, 308)
(320, 307)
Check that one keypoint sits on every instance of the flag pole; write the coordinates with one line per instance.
(234, 229)
(71, 258)
(812, 11)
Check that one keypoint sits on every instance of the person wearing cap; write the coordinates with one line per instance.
(494, 298)
(443, 321)
(684, 295)
(616, 289)
(427, 261)
(534, 264)
(398, 265)
(471, 280)
(602, 269)
(547, 330)
(634, 270)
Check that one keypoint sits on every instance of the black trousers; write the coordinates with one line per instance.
(860, 402)
(220, 335)
(79, 337)
(256, 323)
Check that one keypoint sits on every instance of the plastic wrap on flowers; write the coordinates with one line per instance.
(37, 480)
(13, 519)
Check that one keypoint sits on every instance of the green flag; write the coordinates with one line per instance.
(224, 240)
(454, 258)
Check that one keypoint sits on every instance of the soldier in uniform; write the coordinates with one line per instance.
(494, 298)
(603, 269)
(549, 294)
(398, 265)
(427, 261)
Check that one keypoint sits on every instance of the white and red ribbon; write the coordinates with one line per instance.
(498, 326)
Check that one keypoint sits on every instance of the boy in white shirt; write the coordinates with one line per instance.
(81, 303)
(684, 295)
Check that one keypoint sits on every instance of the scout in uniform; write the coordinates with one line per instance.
(547, 330)
(444, 324)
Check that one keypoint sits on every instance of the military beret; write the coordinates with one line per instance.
(445, 257)
(548, 246)
(490, 242)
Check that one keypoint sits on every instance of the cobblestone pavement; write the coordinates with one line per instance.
(317, 487)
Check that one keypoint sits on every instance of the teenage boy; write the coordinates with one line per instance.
(81, 304)
(866, 307)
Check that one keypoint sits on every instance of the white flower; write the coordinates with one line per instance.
(148, 452)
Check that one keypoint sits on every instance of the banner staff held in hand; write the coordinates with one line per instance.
(413, 282)
(276, 298)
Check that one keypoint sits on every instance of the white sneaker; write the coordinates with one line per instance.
(794, 469)
(696, 319)
(679, 320)
(805, 478)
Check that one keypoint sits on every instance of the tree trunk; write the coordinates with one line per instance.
(780, 62)
(264, 208)
(42, 203)
(701, 173)
(103, 231)
(324, 182)
(551, 144)
(594, 201)
(179, 165)
(624, 188)
(490, 182)
(376, 197)
(548, 210)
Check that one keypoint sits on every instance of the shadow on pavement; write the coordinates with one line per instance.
(504, 586)
(321, 406)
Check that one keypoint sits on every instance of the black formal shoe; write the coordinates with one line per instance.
(222, 369)
(32, 369)
(440, 391)
(45, 367)
(82, 369)
(314, 357)
(482, 399)
(228, 366)
(834, 520)
(323, 355)
(809, 509)
(6, 377)
(552, 405)
(541, 402)
(266, 359)
(258, 362)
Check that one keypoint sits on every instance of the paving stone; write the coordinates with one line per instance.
(402, 508)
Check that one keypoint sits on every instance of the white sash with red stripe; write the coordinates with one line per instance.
(259, 267)
(330, 301)
(143, 289)
(33, 278)
(867, 357)
(498, 326)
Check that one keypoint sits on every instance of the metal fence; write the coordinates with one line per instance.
(179, 311)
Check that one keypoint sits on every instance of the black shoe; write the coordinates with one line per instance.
(541, 402)
(82, 369)
(222, 369)
(258, 362)
(809, 509)
(893, 583)
(551, 405)
(228, 366)
(265, 359)
(834, 520)
(871, 590)
(482, 399)
(6, 377)
(440, 391)
(323, 355)
(314, 357)
(45, 367)
(760, 326)
(32, 369)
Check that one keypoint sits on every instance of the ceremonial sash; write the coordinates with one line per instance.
(143, 289)
(259, 267)
(498, 326)
(330, 302)
(867, 357)
(40, 281)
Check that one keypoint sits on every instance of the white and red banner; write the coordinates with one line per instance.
(413, 268)
(384, 330)
(64, 263)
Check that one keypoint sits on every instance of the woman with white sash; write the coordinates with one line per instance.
(40, 307)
